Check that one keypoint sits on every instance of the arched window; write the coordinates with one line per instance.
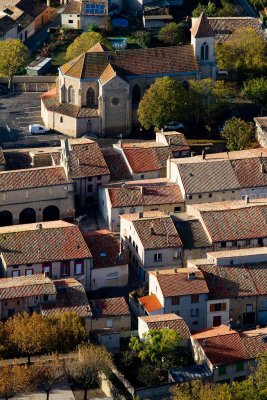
(136, 94)
(90, 97)
(71, 95)
(204, 51)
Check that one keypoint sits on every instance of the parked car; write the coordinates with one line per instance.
(36, 129)
(174, 126)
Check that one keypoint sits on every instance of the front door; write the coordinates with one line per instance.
(217, 320)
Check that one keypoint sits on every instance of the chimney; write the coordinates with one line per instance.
(246, 199)
(119, 143)
(205, 343)
(141, 190)
(39, 226)
(140, 214)
(262, 168)
(152, 232)
(157, 272)
(191, 276)
(175, 270)
(203, 154)
(78, 161)
(192, 154)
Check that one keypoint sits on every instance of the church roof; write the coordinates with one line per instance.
(134, 62)
(202, 28)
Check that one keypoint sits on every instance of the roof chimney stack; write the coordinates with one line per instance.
(203, 154)
(246, 199)
(140, 214)
(191, 276)
(152, 232)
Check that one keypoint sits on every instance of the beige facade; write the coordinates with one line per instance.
(116, 276)
(116, 323)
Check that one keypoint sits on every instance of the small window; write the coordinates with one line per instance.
(223, 244)
(61, 120)
(47, 269)
(247, 242)
(195, 323)
(45, 297)
(142, 176)
(177, 209)
(260, 241)
(99, 177)
(157, 257)
(222, 369)
(15, 273)
(70, 21)
(234, 243)
(89, 188)
(109, 323)
(65, 268)
(210, 194)
(29, 271)
(239, 366)
(200, 196)
(79, 267)
(249, 308)
(130, 239)
(18, 302)
(175, 300)
(190, 197)
(176, 255)
(231, 262)
(194, 298)
(89, 179)
(194, 312)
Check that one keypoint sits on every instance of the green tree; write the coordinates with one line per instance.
(71, 331)
(142, 38)
(92, 28)
(243, 52)
(229, 10)
(31, 334)
(46, 375)
(238, 134)
(85, 42)
(14, 57)
(166, 100)
(172, 34)
(13, 380)
(210, 98)
(256, 91)
(160, 347)
(91, 361)
(210, 9)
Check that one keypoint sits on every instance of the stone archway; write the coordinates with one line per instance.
(6, 218)
(51, 213)
(27, 216)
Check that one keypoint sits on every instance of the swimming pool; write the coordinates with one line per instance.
(119, 43)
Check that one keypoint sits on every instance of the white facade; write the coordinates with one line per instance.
(70, 21)
(218, 312)
(116, 276)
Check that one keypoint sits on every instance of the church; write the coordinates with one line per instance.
(99, 91)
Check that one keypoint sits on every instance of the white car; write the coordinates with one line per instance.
(36, 129)
(174, 126)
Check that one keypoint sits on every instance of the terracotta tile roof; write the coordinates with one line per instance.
(178, 283)
(26, 286)
(235, 224)
(52, 104)
(144, 159)
(202, 28)
(29, 244)
(191, 232)
(33, 8)
(235, 281)
(157, 233)
(221, 345)
(105, 249)
(115, 306)
(34, 177)
(116, 164)
(145, 194)
(150, 303)
(2, 157)
(87, 160)
(23, 20)
(171, 321)
(107, 74)
(98, 48)
(71, 297)
(73, 7)
(255, 341)
(223, 27)
(134, 62)
(176, 141)
(6, 24)
(262, 122)
(230, 155)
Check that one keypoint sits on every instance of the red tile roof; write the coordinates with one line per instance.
(115, 306)
(221, 345)
(34, 177)
(255, 341)
(29, 244)
(71, 297)
(105, 249)
(171, 321)
(150, 303)
(26, 286)
(178, 283)
(133, 62)
(2, 157)
(202, 28)
(157, 232)
(145, 194)
(73, 7)
(149, 158)
(116, 164)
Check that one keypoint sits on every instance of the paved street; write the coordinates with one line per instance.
(62, 392)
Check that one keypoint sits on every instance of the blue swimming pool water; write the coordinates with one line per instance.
(120, 22)
(118, 43)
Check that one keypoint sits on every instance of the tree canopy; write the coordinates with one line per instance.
(14, 57)
(210, 9)
(166, 100)
(238, 134)
(85, 42)
(244, 51)
(256, 91)
(172, 34)
(13, 380)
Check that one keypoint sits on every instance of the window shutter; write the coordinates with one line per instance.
(223, 306)
(212, 307)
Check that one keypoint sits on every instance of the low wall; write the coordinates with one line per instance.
(30, 83)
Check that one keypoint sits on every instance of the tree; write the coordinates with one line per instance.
(172, 34)
(159, 347)
(210, 98)
(14, 57)
(71, 331)
(13, 380)
(238, 134)
(229, 10)
(210, 10)
(243, 52)
(256, 91)
(166, 100)
(142, 38)
(85, 42)
(91, 361)
(31, 334)
(46, 375)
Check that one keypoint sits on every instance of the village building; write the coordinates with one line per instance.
(110, 314)
(116, 199)
(182, 291)
(152, 240)
(110, 260)
(261, 130)
(55, 248)
(99, 90)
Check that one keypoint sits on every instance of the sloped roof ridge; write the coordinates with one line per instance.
(202, 28)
